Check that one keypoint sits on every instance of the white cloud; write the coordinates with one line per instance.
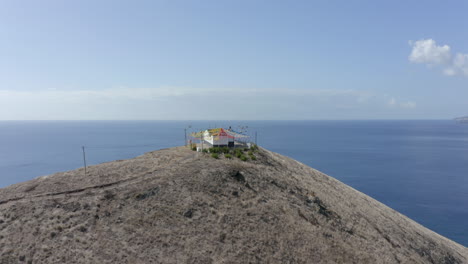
(426, 51)
(461, 63)
(408, 104)
(188, 103)
(392, 102)
(449, 71)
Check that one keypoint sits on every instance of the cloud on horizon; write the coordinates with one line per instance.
(426, 51)
(392, 102)
(182, 103)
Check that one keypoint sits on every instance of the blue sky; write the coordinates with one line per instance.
(233, 60)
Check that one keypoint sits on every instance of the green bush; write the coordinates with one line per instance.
(194, 148)
(253, 157)
(215, 155)
(225, 150)
(216, 150)
(228, 156)
(243, 158)
(205, 151)
(250, 153)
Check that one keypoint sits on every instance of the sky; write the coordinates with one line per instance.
(233, 60)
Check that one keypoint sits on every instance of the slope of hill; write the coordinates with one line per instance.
(179, 206)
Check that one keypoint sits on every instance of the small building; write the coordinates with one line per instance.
(220, 137)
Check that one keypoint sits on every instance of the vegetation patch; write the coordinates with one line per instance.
(226, 150)
(323, 210)
(238, 176)
(147, 194)
(108, 195)
(188, 213)
(214, 150)
(238, 153)
(243, 154)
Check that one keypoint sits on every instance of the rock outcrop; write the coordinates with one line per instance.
(179, 206)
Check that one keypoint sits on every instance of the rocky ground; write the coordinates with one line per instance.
(179, 206)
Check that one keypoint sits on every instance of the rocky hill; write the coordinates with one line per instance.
(179, 206)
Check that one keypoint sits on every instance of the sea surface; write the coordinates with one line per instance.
(419, 168)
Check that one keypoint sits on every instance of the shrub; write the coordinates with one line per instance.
(215, 150)
(228, 156)
(225, 150)
(205, 151)
(252, 157)
(194, 148)
(243, 158)
(108, 195)
(215, 155)
(250, 153)
(254, 147)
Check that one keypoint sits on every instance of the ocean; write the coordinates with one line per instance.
(419, 168)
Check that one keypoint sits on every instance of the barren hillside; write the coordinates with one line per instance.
(179, 206)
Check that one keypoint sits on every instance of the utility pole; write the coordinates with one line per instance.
(185, 133)
(84, 159)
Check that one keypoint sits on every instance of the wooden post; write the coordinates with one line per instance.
(84, 159)
(185, 133)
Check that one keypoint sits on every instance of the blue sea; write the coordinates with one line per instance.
(419, 168)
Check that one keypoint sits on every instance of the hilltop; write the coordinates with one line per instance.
(179, 206)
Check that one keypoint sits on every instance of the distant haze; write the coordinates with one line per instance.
(244, 60)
